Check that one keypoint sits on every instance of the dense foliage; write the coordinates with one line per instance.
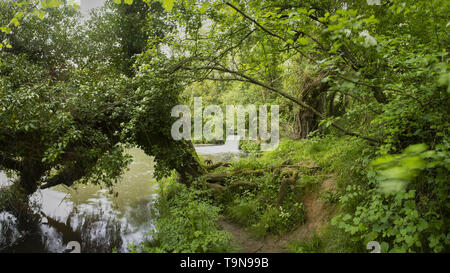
(367, 85)
(187, 222)
(69, 107)
(378, 72)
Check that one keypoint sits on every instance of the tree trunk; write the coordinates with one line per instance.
(190, 166)
(307, 121)
(30, 176)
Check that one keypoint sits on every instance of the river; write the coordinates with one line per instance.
(90, 215)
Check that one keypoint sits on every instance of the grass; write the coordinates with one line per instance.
(346, 157)
(331, 240)
(187, 211)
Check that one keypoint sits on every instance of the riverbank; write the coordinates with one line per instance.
(317, 216)
(315, 195)
(276, 201)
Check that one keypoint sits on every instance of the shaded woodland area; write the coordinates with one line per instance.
(363, 92)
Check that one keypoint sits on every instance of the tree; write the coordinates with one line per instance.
(67, 115)
(121, 31)
(253, 53)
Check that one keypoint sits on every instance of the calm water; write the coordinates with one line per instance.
(88, 214)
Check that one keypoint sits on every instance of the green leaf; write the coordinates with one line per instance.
(14, 22)
(303, 41)
(384, 247)
(168, 5)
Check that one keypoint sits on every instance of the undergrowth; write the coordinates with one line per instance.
(412, 219)
(187, 222)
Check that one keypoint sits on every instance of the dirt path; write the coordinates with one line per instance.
(318, 215)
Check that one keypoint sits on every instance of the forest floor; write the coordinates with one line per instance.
(318, 215)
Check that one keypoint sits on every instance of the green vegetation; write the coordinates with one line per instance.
(400, 221)
(363, 90)
(68, 108)
(187, 222)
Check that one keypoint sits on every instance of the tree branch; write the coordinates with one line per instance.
(266, 30)
(249, 79)
(67, 177)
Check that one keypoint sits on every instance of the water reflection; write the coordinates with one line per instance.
(88, 214)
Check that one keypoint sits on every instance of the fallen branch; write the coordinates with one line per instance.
(222, 177)
(217, 165)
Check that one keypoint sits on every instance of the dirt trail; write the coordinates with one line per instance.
(318, 215)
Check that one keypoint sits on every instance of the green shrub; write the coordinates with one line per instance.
(312, 245)
(395, 221)
(406, 208)
(187, 223)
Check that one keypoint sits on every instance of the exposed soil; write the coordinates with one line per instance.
(318, 215)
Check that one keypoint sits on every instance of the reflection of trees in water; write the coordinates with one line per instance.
(98, 229)
(16, 232)
(100, 232)
(97, 224)
(8, 230)
(18, 220)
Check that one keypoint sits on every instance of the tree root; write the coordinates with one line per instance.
(218, 189)
(288, 172)
(289, 182)
(285, 185)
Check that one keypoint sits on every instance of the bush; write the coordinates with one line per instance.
(406, 208)
(244, 212)
(187, 223)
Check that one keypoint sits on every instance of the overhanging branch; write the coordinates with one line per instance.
(247, 78)
(67, 177)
